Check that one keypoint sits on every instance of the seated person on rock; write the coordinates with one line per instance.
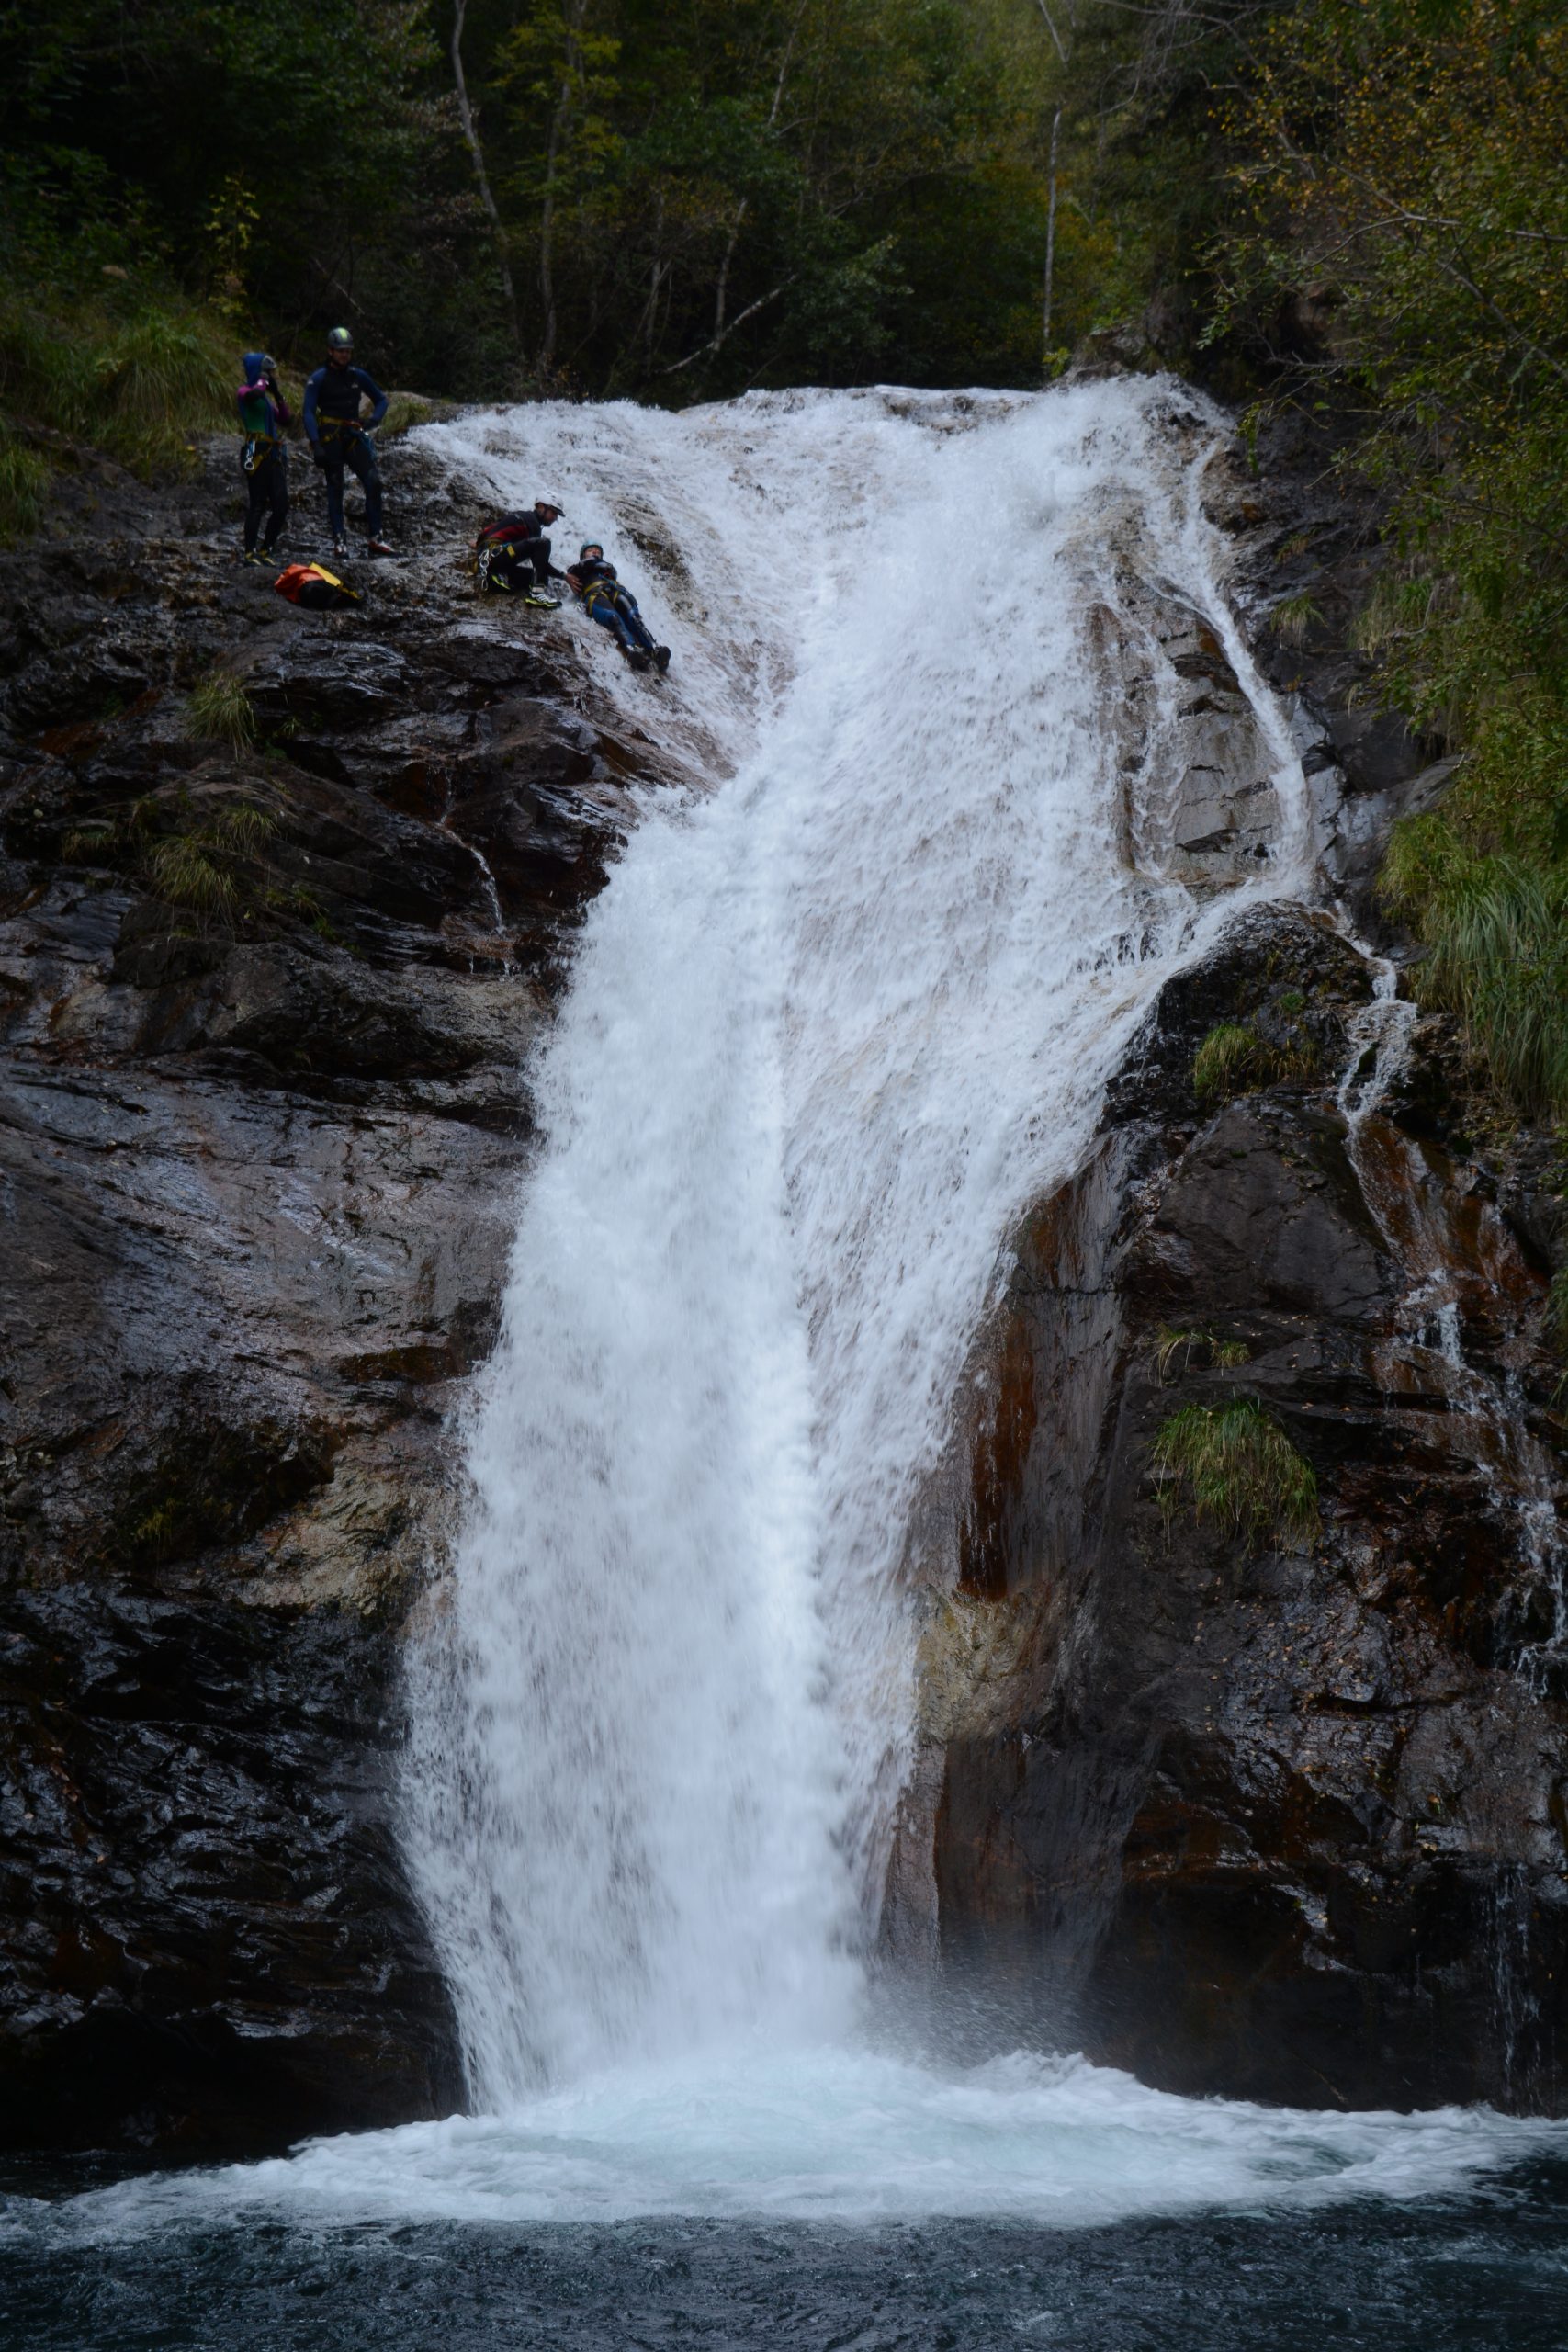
(338, 438)
(605, 600)
(263, 460)
(513, 553)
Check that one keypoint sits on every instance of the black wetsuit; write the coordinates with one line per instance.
(513, 553)
(263, 460)
(332, 421)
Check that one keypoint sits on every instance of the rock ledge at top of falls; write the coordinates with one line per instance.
(258, 1180)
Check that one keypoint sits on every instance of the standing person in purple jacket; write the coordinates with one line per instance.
(263, 460)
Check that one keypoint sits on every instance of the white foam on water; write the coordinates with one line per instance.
(825, 2136)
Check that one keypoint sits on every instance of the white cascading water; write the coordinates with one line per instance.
(829, 1029)
(840, 1012)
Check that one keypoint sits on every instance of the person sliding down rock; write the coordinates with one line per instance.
(338, 438)
(613, 606)
(263, 460)
(513, 554)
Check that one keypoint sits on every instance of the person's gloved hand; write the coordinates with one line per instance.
(317, 455)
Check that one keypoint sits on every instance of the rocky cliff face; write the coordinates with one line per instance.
(259, 1155)
(1252, 1817)
(1278, 1817)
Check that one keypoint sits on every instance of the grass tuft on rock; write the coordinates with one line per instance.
(1292, 618)
(1220, 1355)
(1497, 928)
(1233, 1466)
(221, 711)
(216, 869)
(1234, 1060)
(24, 479)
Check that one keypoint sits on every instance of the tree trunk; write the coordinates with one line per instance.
(470, 133)
(572, 17)
(1050, 241)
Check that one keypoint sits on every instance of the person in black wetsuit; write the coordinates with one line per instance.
(339, 438)
(607, 601)
(263, 460)
(513, 554)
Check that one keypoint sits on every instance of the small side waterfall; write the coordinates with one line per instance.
(1415, 1210)
(830, 1027)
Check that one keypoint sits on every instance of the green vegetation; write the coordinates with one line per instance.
(1400, 253)
(1234, 1060)
(23, 478)
(215, 870)
(1234, 1468)
(405, 411)
(1221, 1355)
(219, 711)
(1292, 618)
(138, 381)
(605, 195)
(1497, 925)
(95, 843)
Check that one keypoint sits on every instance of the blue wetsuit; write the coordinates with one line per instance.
(611, 604)
(333, 428)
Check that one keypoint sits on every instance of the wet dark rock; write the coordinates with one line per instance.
(1286, 1823)
(211, 1944)
(257, 1169)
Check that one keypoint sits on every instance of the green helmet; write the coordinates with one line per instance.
(340, 339)
(590, 547)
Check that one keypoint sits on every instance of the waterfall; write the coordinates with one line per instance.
(846, 1005)
(839, 1014)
